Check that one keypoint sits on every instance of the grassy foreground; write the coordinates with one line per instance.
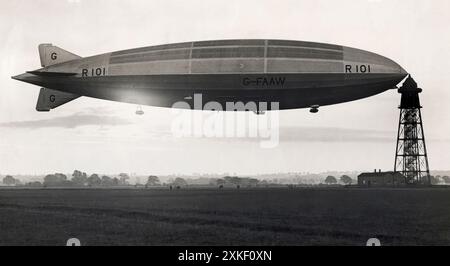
(262, 216)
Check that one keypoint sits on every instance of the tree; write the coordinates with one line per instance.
(123, 179)
(107, 181)
(330, 180)
(94, 180)
(34, 184)
(50, 180)
(79, 178)
(55, 180)
(153, 181)
(9, 180)
(434, 180)
(446, 179)
(179, 182)
(346, 180)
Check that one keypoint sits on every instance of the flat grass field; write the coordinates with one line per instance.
(260, 216)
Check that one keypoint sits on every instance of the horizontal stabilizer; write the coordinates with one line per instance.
(52, 55)
(50, 99)
(51, 74)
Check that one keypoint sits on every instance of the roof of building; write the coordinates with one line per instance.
(374, 174)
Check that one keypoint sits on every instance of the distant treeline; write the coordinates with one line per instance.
(78, 179)
(81, 179)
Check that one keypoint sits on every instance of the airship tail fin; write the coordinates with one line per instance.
(51, 55)
(50, 99)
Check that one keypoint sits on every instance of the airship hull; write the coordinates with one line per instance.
(291, 73)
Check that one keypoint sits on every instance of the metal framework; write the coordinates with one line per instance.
(411, 154)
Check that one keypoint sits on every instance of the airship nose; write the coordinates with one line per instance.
(402, 70)
(396, 68)
(377, 63)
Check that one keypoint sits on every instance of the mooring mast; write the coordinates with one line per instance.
(411, 153)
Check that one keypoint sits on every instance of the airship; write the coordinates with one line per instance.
(294, 74)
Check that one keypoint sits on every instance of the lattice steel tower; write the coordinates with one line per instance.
(411, 153)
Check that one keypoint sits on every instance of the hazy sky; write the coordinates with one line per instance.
(107, 137)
